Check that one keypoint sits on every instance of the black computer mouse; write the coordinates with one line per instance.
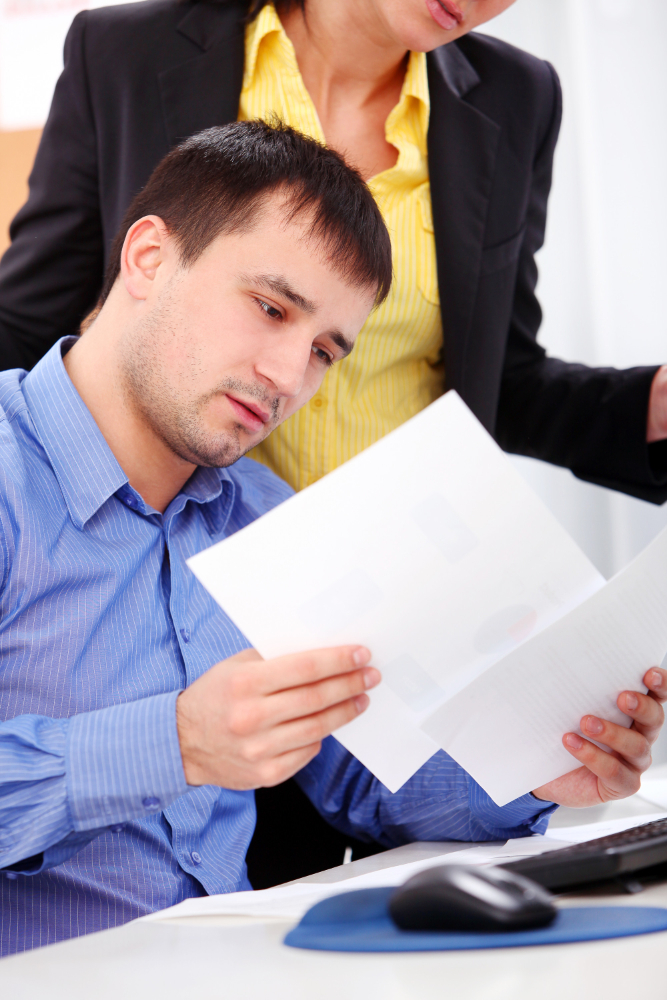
(469, 898)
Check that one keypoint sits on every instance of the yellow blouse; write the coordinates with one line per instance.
(393, 372)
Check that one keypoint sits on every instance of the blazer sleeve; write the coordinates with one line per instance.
(590, 420)
(51, 274)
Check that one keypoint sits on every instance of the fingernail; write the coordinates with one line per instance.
(362, 702)
(655, 679)
(371, 677)
(573, 741)
(361, 656)
(631, 701)
(592, 725)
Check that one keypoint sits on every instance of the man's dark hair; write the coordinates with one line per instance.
(215, 182)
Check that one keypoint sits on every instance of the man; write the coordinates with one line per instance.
(244, 270)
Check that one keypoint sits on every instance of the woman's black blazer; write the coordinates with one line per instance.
(141, 77)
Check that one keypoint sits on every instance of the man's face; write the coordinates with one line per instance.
(223, 351)
(423, 25)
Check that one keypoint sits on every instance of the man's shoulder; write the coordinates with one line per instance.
(258, 489)
(16, 438)
(12, 401)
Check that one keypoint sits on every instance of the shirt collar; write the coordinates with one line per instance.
(267, 22)
(85, 467)
(414, 91)
(415, 83)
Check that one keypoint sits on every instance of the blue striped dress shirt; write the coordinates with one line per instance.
(101, 625)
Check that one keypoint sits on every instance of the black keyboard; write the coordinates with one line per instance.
(607, 857)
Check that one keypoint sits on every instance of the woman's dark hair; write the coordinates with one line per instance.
(215, 181)
(254, 6)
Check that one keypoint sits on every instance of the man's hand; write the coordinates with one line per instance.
(249, 722)
(656, 424)
(608, 776)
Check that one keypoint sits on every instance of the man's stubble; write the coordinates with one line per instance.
(162, 400)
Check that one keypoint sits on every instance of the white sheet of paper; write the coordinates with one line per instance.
(654, 790)
(605, 828)
(292, 901)
(524, 704)
(430, 549)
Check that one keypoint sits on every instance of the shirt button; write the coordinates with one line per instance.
(317, 403)
(117, 827)
(11, 875)
(196, 858)
(150, 802)
(185, 633)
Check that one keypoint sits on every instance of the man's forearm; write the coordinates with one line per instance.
(440, 802)
(65, 780)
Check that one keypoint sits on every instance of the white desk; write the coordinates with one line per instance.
(244, 959)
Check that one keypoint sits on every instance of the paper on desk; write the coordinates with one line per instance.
(430, 549)
(292, 901)
(605, 828)
(654, 790)
(540, 690)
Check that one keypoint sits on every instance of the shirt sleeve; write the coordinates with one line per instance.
(440, 802)
(64, 781)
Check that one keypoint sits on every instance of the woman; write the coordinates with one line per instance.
(457, 146)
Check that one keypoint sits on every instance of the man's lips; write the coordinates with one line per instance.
(250, 415)
(445, 13)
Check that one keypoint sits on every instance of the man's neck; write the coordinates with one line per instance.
(152, 468)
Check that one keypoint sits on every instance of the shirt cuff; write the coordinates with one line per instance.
(518, 818)
(123, 762)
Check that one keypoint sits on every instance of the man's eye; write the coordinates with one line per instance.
(270, 310)
(322, 355)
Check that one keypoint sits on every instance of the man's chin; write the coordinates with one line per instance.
(220, 456)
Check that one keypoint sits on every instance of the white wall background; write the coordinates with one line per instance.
(603, 267)
(32, 33)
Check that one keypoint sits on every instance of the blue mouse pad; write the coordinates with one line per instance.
(360, 921)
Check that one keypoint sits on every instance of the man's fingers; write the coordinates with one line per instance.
(245, 656)
(612, 773)
(618, 773)
(299, 733)
(655, 680)
(310, 699)
(300, 669)
(629, 744)
(286, 765)
(646, 711)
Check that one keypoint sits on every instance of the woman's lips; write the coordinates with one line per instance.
(445, 13)
(248, 414)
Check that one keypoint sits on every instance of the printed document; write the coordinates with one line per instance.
(433, 551)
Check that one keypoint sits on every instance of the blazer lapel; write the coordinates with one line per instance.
(204, 91)
(462, 145)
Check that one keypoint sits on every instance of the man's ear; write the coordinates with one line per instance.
(145, 249)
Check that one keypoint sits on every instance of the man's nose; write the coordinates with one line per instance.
(285, 367)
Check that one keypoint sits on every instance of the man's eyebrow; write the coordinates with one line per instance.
(281, 286)
(342, 342)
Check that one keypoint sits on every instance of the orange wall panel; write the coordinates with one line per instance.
(17, 152)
